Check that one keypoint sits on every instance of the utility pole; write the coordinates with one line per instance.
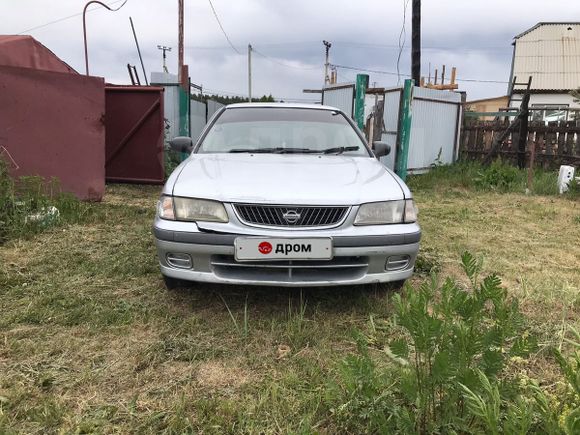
(183, 73)
(250, 73)
(327, 46)
(416, 42)
(164, 49)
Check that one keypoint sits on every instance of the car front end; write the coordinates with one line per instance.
(294, 219)
(358, 254)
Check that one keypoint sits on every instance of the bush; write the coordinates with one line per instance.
(30, 205)
(499, 176)
(172, 160)
(444, 372)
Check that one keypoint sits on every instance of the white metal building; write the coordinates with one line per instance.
(550, 54)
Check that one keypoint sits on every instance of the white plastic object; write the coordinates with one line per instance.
(565, 176)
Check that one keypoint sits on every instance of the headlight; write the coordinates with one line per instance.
(189, 209)
(388, 212)
(165, 208)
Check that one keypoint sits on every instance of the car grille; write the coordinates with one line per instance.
(289, 216)
(339, 268)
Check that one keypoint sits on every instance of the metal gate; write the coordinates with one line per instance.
(341, 97)
(134, 134)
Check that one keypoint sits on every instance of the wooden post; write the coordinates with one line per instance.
(370, 129)
(443, 75)
(523, 130)
(180, 42)
(532, 148)
(416, 41)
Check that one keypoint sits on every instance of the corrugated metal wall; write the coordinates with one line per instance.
(171, 105)
(550, 53)
(170, 84)
(434, 127)
(198, 118)
(199, 114)
(340, 97)
(213, 107)
(391, 120)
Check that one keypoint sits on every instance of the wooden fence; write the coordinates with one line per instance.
(554, 143)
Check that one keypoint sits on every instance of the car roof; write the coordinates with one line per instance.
(281, 106)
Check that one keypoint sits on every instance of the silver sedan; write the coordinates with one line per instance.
(284, 195)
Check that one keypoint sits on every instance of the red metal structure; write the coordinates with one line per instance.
(134, 134)
(27, 52)
(57, 123)
(51, 118)
(51, 125)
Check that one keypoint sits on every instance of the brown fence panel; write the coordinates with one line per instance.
(557, 143)
(51, 125)
(134, 134)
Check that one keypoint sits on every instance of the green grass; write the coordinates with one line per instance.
(91, 342)
(498, 177)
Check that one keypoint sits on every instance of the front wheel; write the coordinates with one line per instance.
(388, 287)
(173, 283)
(396, 286)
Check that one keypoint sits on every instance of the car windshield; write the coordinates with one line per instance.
(282, 131)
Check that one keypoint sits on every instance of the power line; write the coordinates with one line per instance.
(64, 19)
(396, 47)
(369, 70)
(408, 75)
(402, 35)
(363, 45)
(222, 27)
(287, 65)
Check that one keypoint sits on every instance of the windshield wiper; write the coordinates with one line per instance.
(251, 150)
(339, 150)
(277, 150)
(281, 150)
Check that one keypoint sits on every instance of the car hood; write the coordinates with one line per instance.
(286, 179)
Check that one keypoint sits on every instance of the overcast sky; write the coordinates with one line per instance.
(475, 36)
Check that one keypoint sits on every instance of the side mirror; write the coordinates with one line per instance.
(182, 144)
(381, 149)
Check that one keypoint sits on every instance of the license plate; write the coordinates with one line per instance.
(266, 248)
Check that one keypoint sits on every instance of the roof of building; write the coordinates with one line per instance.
(26, 52)
(546, 23)
(549, 53)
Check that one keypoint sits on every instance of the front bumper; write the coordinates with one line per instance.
(358, 258)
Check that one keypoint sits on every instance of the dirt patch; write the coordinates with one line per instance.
(218, 375)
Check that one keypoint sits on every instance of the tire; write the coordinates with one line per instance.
(396, 286)
(387, 287)
(173, 283)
